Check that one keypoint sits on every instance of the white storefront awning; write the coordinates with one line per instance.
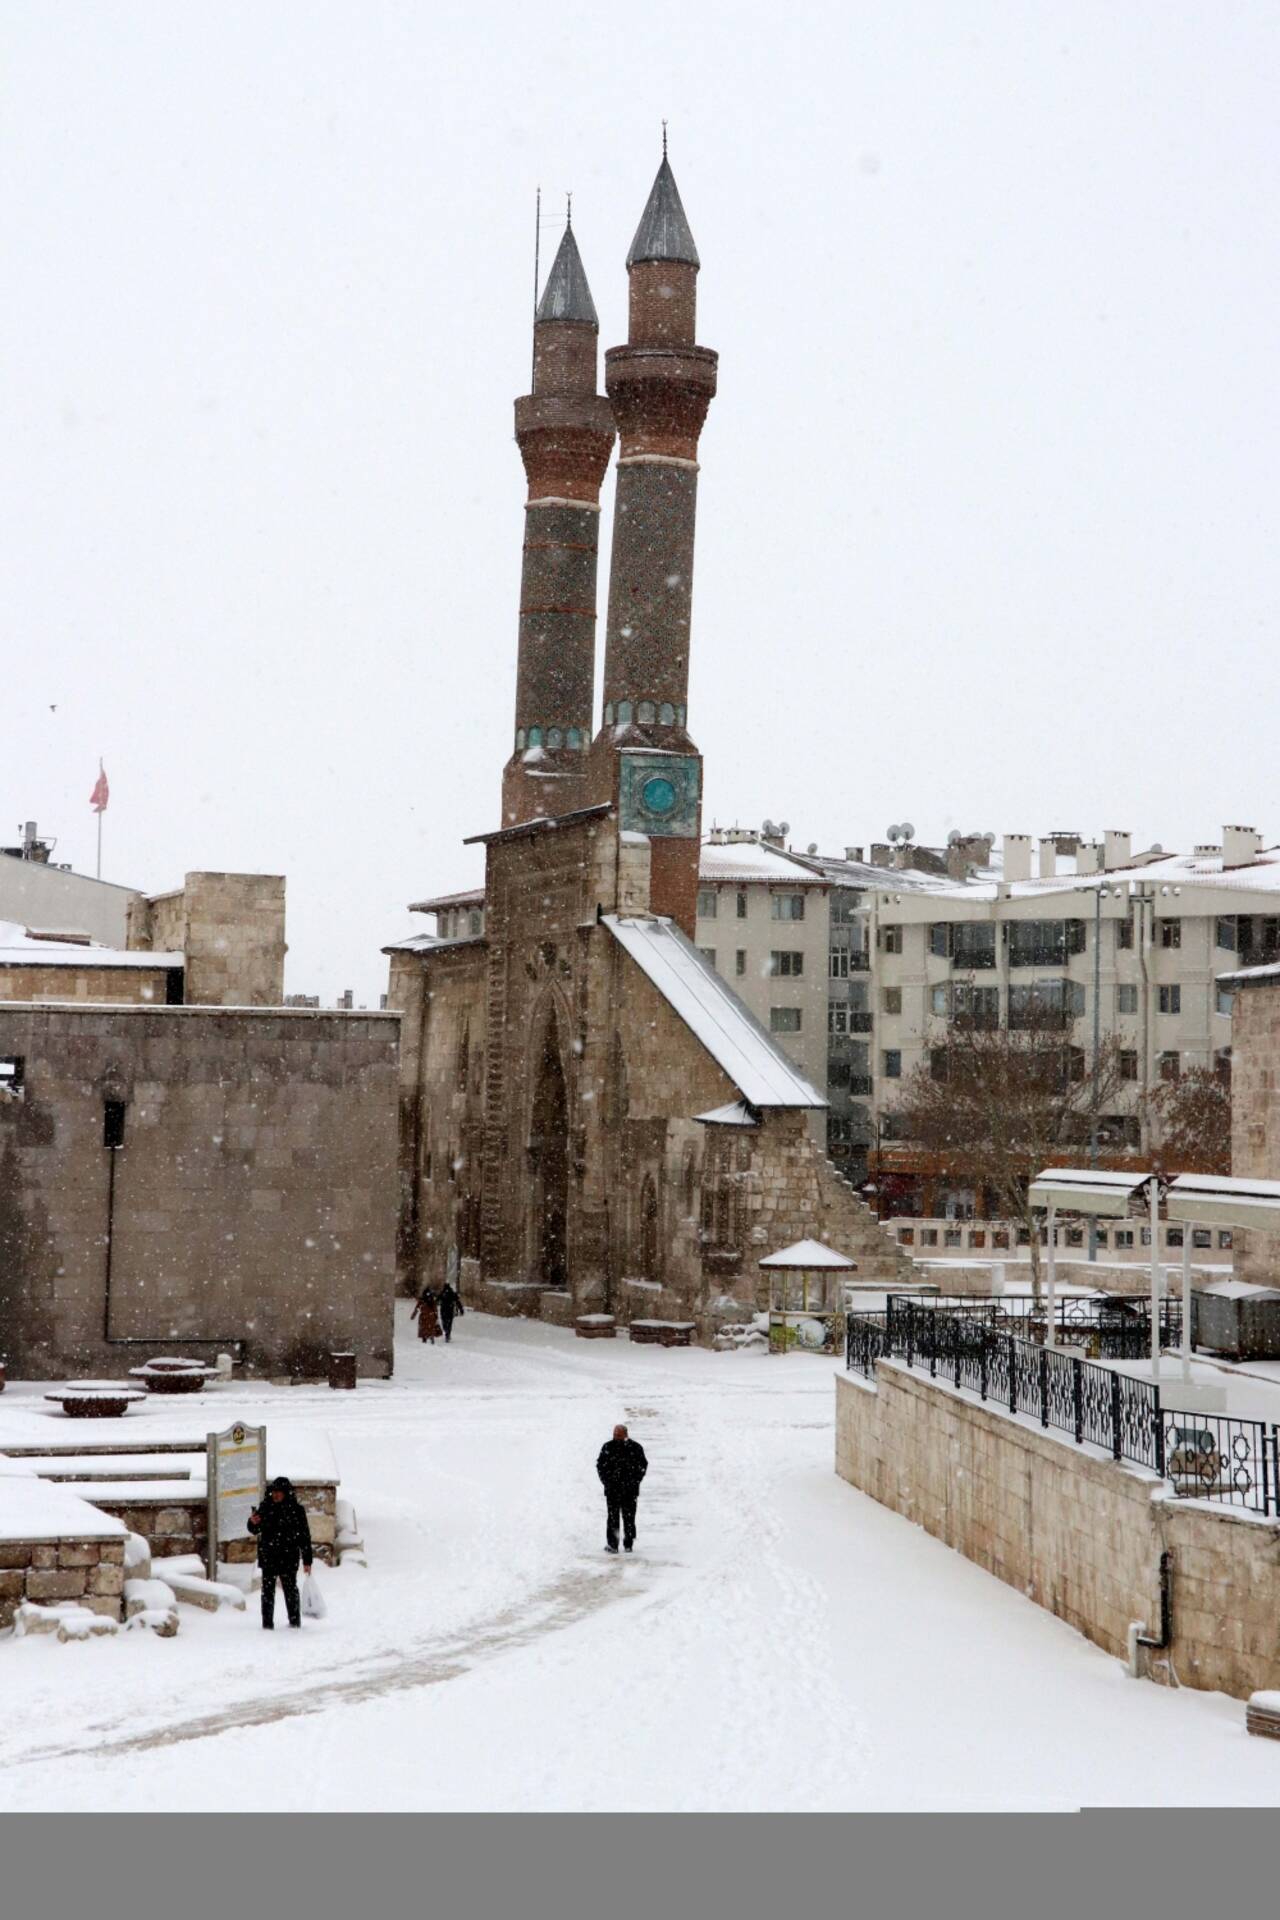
(1086, 1190)
(1207, 1199)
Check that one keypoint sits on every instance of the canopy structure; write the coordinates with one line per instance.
(810, 1253)
(1086, 1190)
(1209, 1199)
(806, 1299)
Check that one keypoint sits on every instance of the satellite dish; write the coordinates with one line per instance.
(894, 833)
(953, 838)
(812, 847)
(784, 826)
(1156, 847)
(767, 827)
(908, 831)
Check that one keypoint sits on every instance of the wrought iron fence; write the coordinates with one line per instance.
(1115, 1329)
(1206, 1456)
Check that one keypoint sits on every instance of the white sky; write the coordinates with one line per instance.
(987, 506)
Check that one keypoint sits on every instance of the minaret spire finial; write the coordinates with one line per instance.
(664, 139)
(568, 209)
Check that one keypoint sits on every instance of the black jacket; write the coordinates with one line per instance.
(283, 1535)
(449, 1302)
(621, 1467)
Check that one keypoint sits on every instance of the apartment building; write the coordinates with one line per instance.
(1140, 937)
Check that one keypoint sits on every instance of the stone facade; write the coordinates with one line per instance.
(250, 1204)
(230, 926)
(90, 1572)
(1078, 1534)
(96, 984)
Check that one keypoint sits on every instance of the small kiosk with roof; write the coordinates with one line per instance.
(806, 1296)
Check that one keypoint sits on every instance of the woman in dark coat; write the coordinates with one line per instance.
(284, 1538)
(427, 1317)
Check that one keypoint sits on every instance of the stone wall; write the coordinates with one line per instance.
(252, 1205)
(140, 986)
(1255, 1116)
(230, 926)
(90, 1572)
(1078, 1534)
(175, 1526)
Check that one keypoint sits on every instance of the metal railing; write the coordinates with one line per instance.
(1113, 1329)
(1206, 1456)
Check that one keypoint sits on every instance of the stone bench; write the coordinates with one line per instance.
(595, 1326)
(663, 1333)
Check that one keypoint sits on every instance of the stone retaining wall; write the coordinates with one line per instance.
(90, 1572)
(1078, 1534)
(182, 1526)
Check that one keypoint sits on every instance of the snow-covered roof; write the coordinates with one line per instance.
(1190, 872)
(1251, 976)
(713, 1013)
(809, 1253)
(20, 948)
(748, 861)
(1086, 1190)
(1238, 1290)
(736, 1114)
(469, 897)
(433, 942)
(1220, 1200)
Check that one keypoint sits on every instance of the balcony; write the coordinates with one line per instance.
(861, 1084)
(981, 962)
(859, 960)
(860, 1022)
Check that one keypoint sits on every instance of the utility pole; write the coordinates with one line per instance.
(1097, 1044)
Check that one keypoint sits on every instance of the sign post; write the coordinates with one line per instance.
(237, 1481)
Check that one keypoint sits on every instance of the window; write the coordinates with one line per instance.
(892, 1063)
(1128, 1063)
(977, 1007)
(786, 966)
(1171, 999)
(784, 1019)
(1225, 933)
(1043, 943)
(938, 1064)
(1124, 1238)
(891, 939)
(838, 963)
(1173, 1236)
(742, 906)
(973, 947)
(1224, 1000)
(474, 923)
(838, 1073)
(12, 1069)
(113, 1123)
(1171, 933)
(708, 954)
(1222, 1064)
(891, 999)
(1124, 933)
(1225, 1241)
(1045, 1000)
(837, 1017)
(1201, 1237)
(1126, 999)
(939, 1000)
(786, 906)
(706, 903)
(1170, 1066)
(940, 939)
(740, 962)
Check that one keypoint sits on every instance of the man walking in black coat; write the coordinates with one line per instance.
(449, 1304)
(284, 1539)
(621, 1467)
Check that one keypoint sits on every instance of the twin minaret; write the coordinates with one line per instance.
(659, 386)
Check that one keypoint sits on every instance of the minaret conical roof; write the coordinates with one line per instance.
(566, 295)
(663, 233)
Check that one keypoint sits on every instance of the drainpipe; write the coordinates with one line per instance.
(1138, 1636)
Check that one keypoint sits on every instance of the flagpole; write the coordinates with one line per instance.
(99, 843)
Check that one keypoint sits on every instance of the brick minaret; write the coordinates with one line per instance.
(661, 385)
(564, 430)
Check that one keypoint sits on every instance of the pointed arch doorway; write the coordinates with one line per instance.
(549, 1158)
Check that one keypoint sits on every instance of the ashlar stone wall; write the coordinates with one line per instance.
(1255, 1116)
(1079, 1534)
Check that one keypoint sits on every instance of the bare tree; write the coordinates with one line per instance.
(1192, 1116)
(995, 1104)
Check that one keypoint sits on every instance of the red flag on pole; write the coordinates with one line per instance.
(101, 792)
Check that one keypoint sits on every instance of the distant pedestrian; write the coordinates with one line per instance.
(284, 1539)
(621, 1466)
(450, 1306)
(427, 1316)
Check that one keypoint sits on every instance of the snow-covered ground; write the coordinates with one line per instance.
(778, 1640)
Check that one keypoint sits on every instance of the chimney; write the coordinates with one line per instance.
(1240, 846)
(880, 852)
(1017, 856)
(716, 837)
(854, 854)
(1088, 857)
(1048, 868)
(1115, 849)
(1207, 850)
